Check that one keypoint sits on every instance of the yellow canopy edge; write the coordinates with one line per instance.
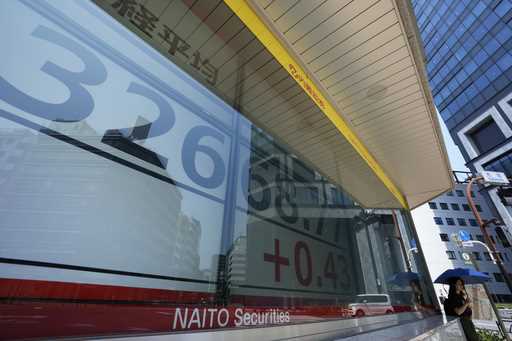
(249, 17)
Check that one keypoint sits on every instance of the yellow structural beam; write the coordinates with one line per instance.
(274, 45)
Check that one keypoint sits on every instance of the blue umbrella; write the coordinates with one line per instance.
(468, 276)
(403, 278)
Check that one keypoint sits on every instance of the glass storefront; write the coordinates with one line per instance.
(136, 197)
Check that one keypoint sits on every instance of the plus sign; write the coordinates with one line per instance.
(277, 260)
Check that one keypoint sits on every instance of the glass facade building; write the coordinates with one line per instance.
(468, 48)
(139, 194)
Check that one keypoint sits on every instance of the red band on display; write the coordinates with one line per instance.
(23, 288)
(58, 309)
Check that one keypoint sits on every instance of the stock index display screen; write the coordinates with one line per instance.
(135, 197)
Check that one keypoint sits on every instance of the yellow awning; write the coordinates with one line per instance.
(361, 63)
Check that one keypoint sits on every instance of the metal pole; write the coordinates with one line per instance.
(484, 245)
(490, 244)
(401, 240)
(421, 265)
(410, 252)
(372, 256)
(488, 241)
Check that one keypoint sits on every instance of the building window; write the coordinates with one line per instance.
(451, 255)
(466, 207)
(501, 164)
(478, 208)
(477, 255)
(486, 136)
(461, 221)
(432, 205)
(455, 207)
(480, 238)
(502, 237)
(335, 197)
(487, 256)
(438, 220)
(500, 256)
(472, 222)
(313, 196)
(498, 277)
(444, 206)
(459, 193)
(444, 237)
(450, 194)
(490, 278)
(450, 221)
(472, 194)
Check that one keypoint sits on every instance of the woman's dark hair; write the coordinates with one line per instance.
(415, 283)
(453, 287)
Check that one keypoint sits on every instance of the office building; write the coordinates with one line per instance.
(468, 50)
(439, 223)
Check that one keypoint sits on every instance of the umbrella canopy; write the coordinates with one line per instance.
(403, 278)
(468, 276)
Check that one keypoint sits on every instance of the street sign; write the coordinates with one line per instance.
(467, 244)
(466, 257)
(494, 178)
(456, 239)
(464, 235)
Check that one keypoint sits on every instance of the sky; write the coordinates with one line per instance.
(456, 160)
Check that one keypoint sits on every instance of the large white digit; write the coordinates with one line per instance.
(191, 148)
(80, 103)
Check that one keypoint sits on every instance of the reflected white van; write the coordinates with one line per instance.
(371, 304)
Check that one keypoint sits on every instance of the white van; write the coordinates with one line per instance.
(371, 304)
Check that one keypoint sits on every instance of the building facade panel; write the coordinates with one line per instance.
(468, 48)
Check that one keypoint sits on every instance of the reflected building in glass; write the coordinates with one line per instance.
(468, 50)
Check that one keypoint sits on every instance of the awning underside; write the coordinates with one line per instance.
(366, 57)
(358, 55)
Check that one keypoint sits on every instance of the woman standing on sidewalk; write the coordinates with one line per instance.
(459, 304)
